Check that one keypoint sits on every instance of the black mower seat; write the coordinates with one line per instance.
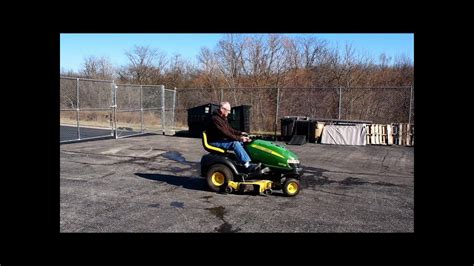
(209, 147)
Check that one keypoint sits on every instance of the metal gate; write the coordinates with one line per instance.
(141, 109)
(91, 109)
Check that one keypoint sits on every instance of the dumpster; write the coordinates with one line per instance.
(198, 117)
(239, 118)
(307, 128)
(298, 125)
(287, 127)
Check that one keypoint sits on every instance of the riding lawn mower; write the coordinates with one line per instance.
(280, 169)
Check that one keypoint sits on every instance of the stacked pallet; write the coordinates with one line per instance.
(404, 134)
(376, 134)
(391, 134)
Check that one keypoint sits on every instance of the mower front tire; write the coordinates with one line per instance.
(218, 176)
(291, 187)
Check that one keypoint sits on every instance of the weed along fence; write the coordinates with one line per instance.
(92, 109)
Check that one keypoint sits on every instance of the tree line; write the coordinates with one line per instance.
(254, 61)
(270, 61)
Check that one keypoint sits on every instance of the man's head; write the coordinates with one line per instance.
(224, 109)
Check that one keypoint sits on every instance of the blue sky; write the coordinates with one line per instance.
(75, 47)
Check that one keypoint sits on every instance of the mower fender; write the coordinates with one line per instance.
(210, 159)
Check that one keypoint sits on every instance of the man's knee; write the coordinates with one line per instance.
(236, 143)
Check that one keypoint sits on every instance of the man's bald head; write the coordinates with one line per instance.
(224, 109)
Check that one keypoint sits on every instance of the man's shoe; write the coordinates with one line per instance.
(254, 167)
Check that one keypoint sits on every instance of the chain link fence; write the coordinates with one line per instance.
(100, 108)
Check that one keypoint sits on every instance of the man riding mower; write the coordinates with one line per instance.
(273, 167)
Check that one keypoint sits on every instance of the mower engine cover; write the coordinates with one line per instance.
(272, 155)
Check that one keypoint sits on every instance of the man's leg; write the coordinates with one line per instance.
(240, 152)
(236, 146)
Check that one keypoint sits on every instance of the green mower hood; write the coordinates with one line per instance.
(272, 155)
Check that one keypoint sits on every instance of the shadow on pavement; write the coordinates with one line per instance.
(179, 181)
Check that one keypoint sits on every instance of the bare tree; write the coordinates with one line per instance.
(229, 56)
(209, 69)
(263, 60)
(292, 53)
(145, 64)
(312, 51)
(178, 72)
(253, 60)
(275, 65)
(314, 56)
(97, 68)
(404, 68)
(70, 73)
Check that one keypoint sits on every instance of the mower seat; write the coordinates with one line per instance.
(210, 148)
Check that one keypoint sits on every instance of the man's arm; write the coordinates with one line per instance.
(236, 132)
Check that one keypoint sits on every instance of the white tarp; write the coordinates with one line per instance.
(345, 135)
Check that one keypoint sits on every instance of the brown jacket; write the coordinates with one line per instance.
(219, 128)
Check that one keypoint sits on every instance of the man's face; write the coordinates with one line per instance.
(225, 110)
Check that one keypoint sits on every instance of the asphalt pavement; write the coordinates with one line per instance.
(152, 184)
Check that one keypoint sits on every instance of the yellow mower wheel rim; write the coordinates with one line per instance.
(292, 188)
(217, 179)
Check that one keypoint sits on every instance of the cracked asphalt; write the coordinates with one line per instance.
(152, 184)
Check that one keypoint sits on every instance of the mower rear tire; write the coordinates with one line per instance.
(218, 176)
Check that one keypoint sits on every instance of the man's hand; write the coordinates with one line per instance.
(245, 139)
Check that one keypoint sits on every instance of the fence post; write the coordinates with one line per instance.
(174, 106)
(141, 108)
(111, 119)
(163, 109)
(411, 99)
(114, 108)
(340, 102)
(277, 111)
(77, 110)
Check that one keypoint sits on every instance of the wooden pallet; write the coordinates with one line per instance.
(391, 134)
